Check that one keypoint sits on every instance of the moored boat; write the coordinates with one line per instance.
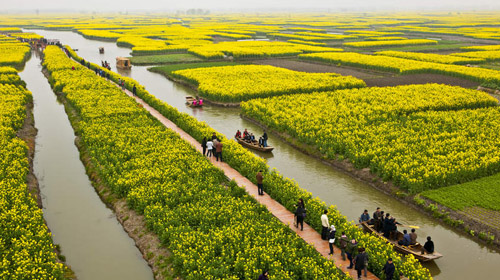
(254, 145)
(415, 250)
(189, 102)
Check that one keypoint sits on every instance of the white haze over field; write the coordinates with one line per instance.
(248, 5)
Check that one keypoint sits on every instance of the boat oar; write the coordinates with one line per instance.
(416, 227)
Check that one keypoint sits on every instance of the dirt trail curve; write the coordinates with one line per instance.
(279, 211)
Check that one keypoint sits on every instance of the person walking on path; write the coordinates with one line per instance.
(300, 214)
(343, 245)
(331, 238)
(210, 146)
(260, 185)
(325, 224)
(366, 258)
(204, 145)
(214, 136)
(264, 275)
(218, 151)
(352, 251)
(389, 269)
(360, 261)
(134, 90)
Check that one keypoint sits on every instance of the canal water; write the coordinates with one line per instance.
(463, 257)
(94, 243)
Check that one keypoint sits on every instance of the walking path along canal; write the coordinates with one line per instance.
(309, 235)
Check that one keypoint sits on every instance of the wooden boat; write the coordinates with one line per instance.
(189, 102)
(254, 145)
(415, 250)
(101, 49)
(123, 63)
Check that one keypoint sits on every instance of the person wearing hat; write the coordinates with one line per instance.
(331, 238)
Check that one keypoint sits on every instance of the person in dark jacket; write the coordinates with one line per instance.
(386, 225)
(352, 252)
(300, 214)
(264, 275)
(389, 269)
(264, 139)
(428, 246)
(359, 261)
(204, 145)
(343, 245)
(134, 90)
(260, 185)
(331, 238)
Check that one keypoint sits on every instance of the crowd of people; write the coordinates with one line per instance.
(250, 138)
(212, 147)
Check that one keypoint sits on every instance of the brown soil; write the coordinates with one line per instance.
(314, 67)
(489, 217)
(28, 133)
(364, 175)
(372, 78)
(420, 79)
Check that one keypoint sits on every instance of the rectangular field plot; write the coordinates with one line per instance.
(419, 136)
(244, 82)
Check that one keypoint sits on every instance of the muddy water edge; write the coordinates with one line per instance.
(463, 257)
(93, 242)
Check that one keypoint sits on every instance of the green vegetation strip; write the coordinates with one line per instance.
(164, 59)
(481, 193)
(282, 189)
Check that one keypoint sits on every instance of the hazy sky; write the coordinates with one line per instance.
(172, 5)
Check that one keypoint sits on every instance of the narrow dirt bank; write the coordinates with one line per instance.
(156, 255)
(364, 175)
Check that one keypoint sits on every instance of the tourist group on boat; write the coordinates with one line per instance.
(249, 138)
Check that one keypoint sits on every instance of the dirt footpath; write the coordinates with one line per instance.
(372, 78)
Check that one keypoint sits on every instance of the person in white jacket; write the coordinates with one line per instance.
(210, 147)
(325, 224)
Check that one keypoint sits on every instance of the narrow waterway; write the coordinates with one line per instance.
(94, 243)
(463, 257)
